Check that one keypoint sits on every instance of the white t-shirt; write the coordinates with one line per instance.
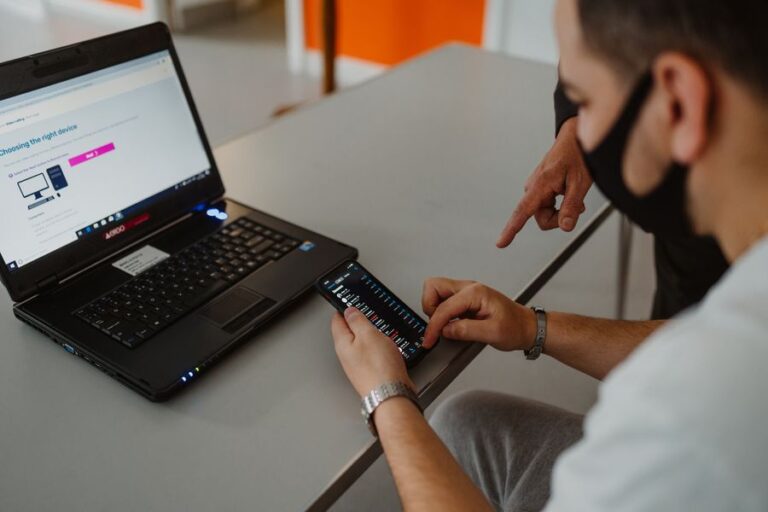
(682, 424)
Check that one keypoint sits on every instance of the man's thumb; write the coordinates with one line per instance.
(356, 321)
(569, 213)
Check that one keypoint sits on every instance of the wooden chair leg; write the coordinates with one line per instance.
(170, 6)
(329, 27)
(329, 46)
(625, 254)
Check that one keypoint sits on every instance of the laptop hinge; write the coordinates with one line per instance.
(48, 283)
(53, 281)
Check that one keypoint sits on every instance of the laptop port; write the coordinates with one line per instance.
(69, 348)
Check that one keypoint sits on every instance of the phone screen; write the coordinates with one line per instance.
(351, 285)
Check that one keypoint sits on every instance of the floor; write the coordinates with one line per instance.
(237, 72)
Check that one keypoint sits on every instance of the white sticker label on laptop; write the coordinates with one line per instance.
(139, 261)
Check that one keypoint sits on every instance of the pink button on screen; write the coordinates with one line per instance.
(90, 155)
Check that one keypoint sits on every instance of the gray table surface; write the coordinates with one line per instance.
(419, 169)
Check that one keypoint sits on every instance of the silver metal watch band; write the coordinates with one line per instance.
(382, 393)
(541, 335)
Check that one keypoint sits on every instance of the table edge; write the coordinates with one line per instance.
(368, 455)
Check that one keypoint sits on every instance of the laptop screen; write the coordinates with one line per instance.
(85, 157)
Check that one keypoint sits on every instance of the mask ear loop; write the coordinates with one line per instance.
(626, 120)
(678, 173)
(640, 92)
(610, 152)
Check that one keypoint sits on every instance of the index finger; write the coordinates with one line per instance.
(453, 307)
(524, 211)
(437, 289)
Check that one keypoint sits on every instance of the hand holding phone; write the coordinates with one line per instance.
(351, 285)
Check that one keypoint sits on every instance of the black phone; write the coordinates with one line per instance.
(351, 285)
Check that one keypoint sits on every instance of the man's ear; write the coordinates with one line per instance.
(687, 91)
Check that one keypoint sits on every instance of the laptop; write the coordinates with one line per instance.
(117, 241)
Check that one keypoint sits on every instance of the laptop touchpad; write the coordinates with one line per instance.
(234, 304)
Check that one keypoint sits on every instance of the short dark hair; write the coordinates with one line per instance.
(630, 34)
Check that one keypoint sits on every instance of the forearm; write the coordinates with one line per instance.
(594, 345)
(426, 474)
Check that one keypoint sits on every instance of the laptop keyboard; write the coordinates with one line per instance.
(140, 308)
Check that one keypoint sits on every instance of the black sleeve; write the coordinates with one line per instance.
(564, 109)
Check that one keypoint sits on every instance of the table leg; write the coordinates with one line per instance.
(625, 250)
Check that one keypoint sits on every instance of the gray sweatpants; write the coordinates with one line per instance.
(507, 445)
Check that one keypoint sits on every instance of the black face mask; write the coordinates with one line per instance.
(661, 212)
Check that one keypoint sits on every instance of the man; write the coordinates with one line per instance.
(673, 111)
(686, 265)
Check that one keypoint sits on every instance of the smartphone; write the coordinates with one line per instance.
(351, 285)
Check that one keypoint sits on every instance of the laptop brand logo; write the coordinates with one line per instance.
(125, 226)
(114, 232)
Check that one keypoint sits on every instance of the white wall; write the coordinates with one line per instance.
(29, 8)
(522, 28)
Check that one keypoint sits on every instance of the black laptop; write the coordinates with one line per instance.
(116, 240)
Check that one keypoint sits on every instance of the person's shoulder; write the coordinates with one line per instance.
(703, 367)
(680, 424)
(726, 335)
(702, 379)
(713, 354)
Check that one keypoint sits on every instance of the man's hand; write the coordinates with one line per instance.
(562, 172)
(470, 311)
(368, 357)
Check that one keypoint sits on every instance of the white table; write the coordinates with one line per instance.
(419, 169)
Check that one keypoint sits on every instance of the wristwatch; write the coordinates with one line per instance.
(541, 335)
(381, 393)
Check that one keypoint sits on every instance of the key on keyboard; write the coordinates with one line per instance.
(143, 306)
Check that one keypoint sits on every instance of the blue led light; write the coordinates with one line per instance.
(190, 374)
(307, 246)
(212, 212)
(222, 216)
(184, 379)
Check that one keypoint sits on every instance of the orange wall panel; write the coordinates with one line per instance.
(136, 4)
(390, 31)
